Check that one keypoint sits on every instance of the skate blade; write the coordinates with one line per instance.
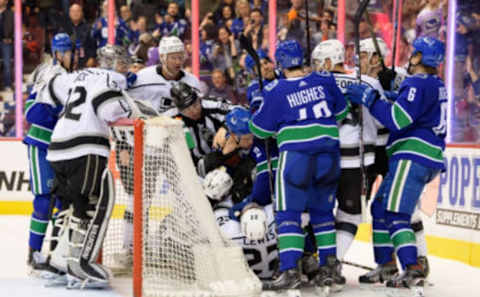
(78, 284)
(414, 291)
(323, 291)
(59, 281)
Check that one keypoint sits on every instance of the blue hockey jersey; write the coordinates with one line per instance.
(302, 113)
(417, 120)
(261, 188)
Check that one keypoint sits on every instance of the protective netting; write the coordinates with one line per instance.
(117, 251)
(184, 253)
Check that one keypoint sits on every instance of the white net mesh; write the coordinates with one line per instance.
(184, 253)
(118, 245)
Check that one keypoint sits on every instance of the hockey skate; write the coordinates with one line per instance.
(309, 266)
(413, 276)
(285, 280)
(39, 265)
(383, 272)
(88, 283)
(339, 280)
(326, 276)
(423, 261)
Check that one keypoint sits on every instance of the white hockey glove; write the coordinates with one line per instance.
(254, 223)
(217, 184)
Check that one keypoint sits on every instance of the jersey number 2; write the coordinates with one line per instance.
(320, 110)
(80, 95)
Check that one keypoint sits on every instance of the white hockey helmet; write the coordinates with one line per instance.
(254, 223)
(332, 49)
(217, 184)
(367, 45)
(170, 44)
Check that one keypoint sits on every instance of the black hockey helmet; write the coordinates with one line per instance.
(183, 95)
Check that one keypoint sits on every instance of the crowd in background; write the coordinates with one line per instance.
(140, 24)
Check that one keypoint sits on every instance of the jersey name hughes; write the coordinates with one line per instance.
(305, 96)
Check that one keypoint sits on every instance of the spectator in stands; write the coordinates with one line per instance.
(172, 24)
(430, 19)
(218, 14)
(227, 15)
(242, 11)
(225, 52)
(145, 48)
(48, 17)
(123, 35)
(126, 13)
(295, 25)
(208, 35)
(220, 88)
(79, 31)
(6, 43)
(254, 29)
(260, 5)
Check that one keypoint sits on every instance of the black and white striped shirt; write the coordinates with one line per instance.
(203, 130)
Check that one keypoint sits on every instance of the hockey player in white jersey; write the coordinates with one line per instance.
(153, 83)
(329, 56)
(78, 153)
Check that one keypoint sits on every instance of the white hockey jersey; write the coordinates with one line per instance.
(260, 254)
(350, 129)
(153, 87)
(91, 98)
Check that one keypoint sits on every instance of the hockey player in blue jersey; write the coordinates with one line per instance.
(267, 68)
(43, 118)
(302, 113)
(417, 123)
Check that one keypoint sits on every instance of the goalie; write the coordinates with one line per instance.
(78, 154)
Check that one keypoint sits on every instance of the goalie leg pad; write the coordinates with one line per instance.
(86, 235)
(59, 241)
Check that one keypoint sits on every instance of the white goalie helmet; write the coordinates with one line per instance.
(217, 184)
(367, 45)
(254, 223)
(170, 44)
(332, 49)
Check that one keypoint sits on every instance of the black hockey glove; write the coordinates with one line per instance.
(387, 77)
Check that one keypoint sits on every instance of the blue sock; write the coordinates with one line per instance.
(39, 221)
(382, 244)
(291, 240)
(403, 237)
(323, 223)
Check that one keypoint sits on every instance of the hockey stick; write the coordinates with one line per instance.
(363, 198)
(357, 265)
(374, 38)
(307, 24)
(247, 45)
(395, 32)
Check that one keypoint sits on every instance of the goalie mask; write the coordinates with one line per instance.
(217, 184)
(114, 57)
(330, 49)
(254, 222)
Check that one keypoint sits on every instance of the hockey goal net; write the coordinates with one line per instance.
(178, 250)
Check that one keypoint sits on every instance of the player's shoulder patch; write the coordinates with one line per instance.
(270, 86)
(323, 73)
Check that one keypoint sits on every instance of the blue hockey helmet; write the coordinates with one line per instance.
(250, 62)
(237, 121)
(289, 54)
(432, 50)
(61, 42)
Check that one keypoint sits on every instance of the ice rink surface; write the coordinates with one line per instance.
(448, 278)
